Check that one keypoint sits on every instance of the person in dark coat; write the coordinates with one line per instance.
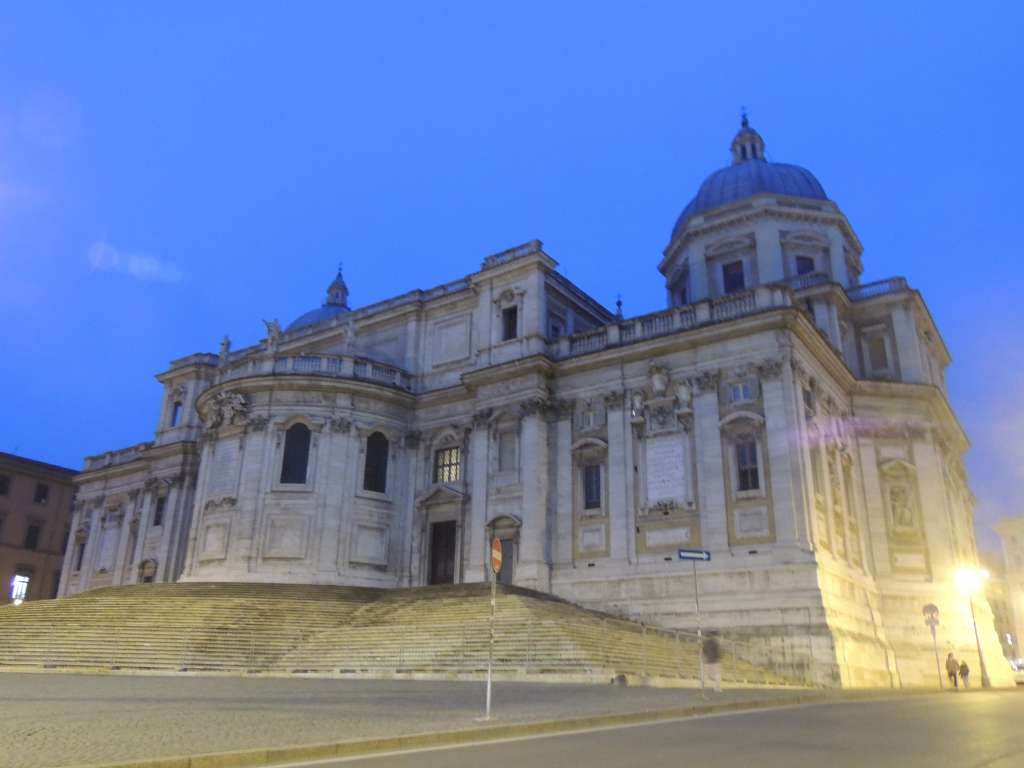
(965, 672)
(952, 668)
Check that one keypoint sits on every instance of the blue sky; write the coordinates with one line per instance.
(169, 174)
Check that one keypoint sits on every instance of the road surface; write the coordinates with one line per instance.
(962, 730)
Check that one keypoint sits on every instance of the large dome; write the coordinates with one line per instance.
(750, 174)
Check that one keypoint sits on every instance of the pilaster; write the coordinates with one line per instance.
(711, 477)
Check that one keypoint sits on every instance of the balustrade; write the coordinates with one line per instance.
(878, 288)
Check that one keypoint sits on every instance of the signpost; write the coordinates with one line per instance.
(495, 567)
(931, 620)
(695, 555)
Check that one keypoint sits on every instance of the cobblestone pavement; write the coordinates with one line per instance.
(68, 719)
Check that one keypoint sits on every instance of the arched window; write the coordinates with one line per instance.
(175, 414)
(375, 473)
(296, 454)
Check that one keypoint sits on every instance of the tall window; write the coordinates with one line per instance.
(741, 391)
(296, 455)
(878, 357)
(5, 485)
(19, 588)
(175, 414)
(42, 494)
(79, 555)
(747, 478)
(509, 323)
(32, 536)
(732, 277)
(158, 512)
(804, 265)
(592, 486)
(375, 473)
(447, 463)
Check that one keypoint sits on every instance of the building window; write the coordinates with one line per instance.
(5, 485)
(742, 392)
(19, 588)
(42, 494)
(32, 536)
(732, 277)
(878, 357)
(556, 326)
(747, 478)
(809, 406)
(296, 455)
(508, 450)
(175, 414)
(447, 463)
(592, 486)
(509, 323)
(79, 555)
(804, 265)
(375, 472)
(158, 512)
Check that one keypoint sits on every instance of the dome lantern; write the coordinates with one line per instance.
(747, 144)
(337, 291)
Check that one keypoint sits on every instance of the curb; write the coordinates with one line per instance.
(254, 758)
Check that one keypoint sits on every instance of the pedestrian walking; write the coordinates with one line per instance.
(965, 672)
(952, 668)
(712, 653)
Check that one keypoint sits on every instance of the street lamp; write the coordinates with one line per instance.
(970, 581)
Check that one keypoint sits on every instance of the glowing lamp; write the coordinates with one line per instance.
(970, 580)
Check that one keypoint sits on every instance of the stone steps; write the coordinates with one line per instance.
(339, 630)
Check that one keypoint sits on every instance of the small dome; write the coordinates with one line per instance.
(336, 304)
(750, 174)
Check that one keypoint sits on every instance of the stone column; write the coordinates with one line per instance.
(711, 476)
(170, 514)
(837, 258)
(479, 462)
(532, 570)
(337, 485)
(783, 446)
(908, 346)
(619, 522)
(562, 531)
(91, 545)
(414, 462)
(123, 537)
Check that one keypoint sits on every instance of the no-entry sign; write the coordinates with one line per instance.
(496, 555)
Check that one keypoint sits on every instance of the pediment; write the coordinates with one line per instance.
(440, 494)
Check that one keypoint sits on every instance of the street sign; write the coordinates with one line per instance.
(695, 554)
(496, 555)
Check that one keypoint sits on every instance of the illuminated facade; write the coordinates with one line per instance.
(778, 412)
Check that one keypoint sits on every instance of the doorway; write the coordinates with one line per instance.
(442, 553)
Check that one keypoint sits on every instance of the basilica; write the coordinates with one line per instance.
(779, 413)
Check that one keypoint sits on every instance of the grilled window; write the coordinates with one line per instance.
(592, 486)
(747, 478)
(447, 463)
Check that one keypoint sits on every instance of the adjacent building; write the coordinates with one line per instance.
(779, 413)
(1011, 532)
(35, 517)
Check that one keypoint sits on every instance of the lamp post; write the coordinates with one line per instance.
(970, 581)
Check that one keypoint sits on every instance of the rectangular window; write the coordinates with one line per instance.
(64, 546)
(158, 512)
(175, 414)
(556, 326)
(42, 494)
(447, 463)
(746, 466)
(804, 265)
(878, 357)
(508, 450)
(56, 585)
(79, 555)
(19, 588)
(509, 323)
(592, 486)
(741, 392)
(32, 536)
(732, 277)
(5, 485)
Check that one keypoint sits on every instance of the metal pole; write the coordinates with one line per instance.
(985, 682)
(490, 649)
(700, 637)
(935, 645)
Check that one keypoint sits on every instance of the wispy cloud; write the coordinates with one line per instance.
(105, 257)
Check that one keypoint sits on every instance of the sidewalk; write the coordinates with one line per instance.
(62, 720)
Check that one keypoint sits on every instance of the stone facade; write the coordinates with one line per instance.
(779, 413)
(1011, 532)
(35, 509)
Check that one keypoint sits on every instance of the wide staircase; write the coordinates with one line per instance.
(327, 630)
